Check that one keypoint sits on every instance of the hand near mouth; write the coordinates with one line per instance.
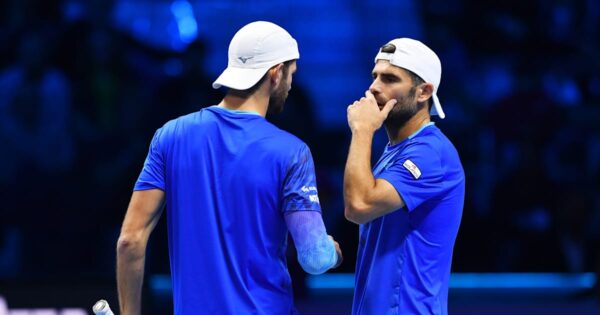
(367, 114)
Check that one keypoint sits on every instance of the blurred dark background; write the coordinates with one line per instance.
(84, 85)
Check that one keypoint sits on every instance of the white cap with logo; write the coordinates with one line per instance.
(253, 50)
(413, 55)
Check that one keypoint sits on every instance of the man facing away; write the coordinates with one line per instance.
(409, 206)
(233, 185)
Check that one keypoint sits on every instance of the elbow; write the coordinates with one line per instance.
(356, 213)
(316, 266)
(315, 269)
(318, 259)
(130, 246)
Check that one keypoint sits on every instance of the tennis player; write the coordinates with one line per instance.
(409, 206)
(233, 185)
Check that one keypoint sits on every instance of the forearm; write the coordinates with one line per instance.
(316, 250)
(358, 177)
(130, 275)
(366, 198)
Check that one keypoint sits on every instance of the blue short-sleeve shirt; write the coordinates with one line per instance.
(404, 257)
(229, 177)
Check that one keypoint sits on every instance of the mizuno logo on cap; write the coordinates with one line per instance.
(244, 59)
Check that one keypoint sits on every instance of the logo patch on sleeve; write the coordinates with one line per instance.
(412, 168)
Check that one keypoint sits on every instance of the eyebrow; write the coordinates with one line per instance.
(386, 74)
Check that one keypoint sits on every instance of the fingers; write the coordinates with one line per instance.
(335, 243)
(338, 252)
(388, 107)
(369, 97)
(340, 257)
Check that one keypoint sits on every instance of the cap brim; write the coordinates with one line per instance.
(239, 78)
(436, 109)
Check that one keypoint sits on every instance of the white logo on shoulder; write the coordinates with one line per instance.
(312, 190)
(306, 189)
(412, 168)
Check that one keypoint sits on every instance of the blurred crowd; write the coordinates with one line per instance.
(81, 99)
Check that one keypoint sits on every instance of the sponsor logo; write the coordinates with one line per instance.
(412, 168)
(244, 59)
(306, 189)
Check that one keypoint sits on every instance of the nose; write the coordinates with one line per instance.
(374, 87)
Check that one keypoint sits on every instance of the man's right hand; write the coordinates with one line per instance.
(338, 251)
(365, 115)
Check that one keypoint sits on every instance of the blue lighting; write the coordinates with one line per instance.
(522, 280)
(345, 281)
(160, 283)
(186, 22)
(477, 281)
(331, 281)
(173, 67)
(141, 26)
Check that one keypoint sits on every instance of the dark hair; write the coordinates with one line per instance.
(248, 92)
(416, 80)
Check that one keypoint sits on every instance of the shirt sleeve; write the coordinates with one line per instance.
(316, 251)
(417, 174)
(300, 186)
(153, 172)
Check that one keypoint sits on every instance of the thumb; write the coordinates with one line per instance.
(388, 106)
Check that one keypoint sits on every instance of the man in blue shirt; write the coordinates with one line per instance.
(409, 206)
(233, 185)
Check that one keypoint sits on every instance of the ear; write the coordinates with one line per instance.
(276, 74)
(424, 92)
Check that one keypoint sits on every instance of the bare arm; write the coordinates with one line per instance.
(142, 215)
(366, 198)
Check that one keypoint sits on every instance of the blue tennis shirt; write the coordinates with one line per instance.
(229, 178)
(404, 257)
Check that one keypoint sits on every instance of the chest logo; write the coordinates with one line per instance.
(412, 168)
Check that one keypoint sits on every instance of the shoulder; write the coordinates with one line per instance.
(173, 124)
(176, 126)
(286, 146)
(429, 149)
(202, 116)
(423, 146)
(287, 138)
(433, 150)
(431, 141)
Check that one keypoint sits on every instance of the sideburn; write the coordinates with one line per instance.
(277, 100)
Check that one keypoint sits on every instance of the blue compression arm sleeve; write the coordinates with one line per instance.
(316, 251)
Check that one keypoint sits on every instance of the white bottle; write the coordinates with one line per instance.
(102, 308)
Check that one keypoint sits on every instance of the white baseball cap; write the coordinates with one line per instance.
(253, 50)
(413, 55)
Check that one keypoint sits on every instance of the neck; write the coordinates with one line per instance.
(421, 118)
(257, 102)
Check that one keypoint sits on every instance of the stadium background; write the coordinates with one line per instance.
(84, 84)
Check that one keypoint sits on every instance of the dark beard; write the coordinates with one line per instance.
(277, 100)
(403, 111)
